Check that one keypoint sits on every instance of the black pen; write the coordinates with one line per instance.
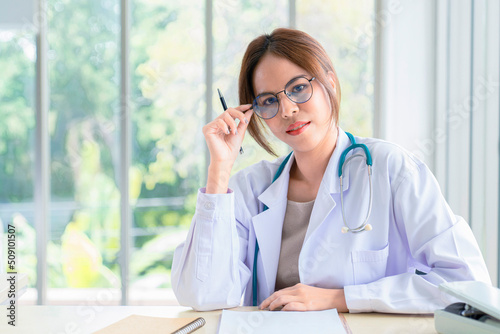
(225, 108)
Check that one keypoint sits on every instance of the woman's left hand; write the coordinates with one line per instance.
(301, 297)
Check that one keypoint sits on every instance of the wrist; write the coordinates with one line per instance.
(339, 301)
(218, 178)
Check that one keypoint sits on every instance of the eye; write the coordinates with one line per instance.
(298, 88)
(269, 101)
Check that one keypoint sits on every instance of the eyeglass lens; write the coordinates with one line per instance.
(298, 90)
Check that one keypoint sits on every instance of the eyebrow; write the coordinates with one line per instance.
(273, 93)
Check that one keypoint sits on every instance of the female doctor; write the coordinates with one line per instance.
(279, 244)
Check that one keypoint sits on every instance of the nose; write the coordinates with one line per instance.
(287, 106)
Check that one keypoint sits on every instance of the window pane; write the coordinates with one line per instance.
(345, 29)
(84, 109)
(17, 131)
(168, 108)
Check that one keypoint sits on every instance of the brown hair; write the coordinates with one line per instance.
(297, 47)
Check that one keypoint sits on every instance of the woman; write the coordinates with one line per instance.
(304, 262)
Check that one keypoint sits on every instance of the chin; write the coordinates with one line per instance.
(304, 147)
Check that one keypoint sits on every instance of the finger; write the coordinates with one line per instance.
(246, 120)
(268, 301)
(280, 302)
(222, 126)
(243, 113)
(244, 107)
(230, 122)
(294, 306)
(265, 303)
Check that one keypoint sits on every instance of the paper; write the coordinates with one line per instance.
(272, 322)
(143, 324)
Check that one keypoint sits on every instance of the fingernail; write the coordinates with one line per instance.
(236, 132)
(228, 131)
(246, 120)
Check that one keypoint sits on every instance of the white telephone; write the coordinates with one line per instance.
(478, 314)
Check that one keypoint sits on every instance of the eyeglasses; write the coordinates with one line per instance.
(298, 90)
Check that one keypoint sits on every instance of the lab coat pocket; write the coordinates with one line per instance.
(369, 265)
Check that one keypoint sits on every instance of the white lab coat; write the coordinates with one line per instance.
(413, 229)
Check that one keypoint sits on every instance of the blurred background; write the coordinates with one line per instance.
(102, 104)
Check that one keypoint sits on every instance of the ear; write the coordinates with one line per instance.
(331, 79)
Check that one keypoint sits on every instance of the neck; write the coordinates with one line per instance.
(311, 166)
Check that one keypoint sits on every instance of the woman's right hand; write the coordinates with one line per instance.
(224, 140)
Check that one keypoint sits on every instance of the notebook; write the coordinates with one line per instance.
(144, 324)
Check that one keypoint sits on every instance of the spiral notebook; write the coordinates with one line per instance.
(144, 324)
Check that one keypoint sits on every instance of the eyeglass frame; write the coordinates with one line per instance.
(284, 91)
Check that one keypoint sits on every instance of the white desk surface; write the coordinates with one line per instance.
(90, 318)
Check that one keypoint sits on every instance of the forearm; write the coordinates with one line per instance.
(218, 178)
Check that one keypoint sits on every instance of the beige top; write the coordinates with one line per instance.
(295, 224)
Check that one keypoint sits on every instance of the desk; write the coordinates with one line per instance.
(21, 281)
(90, 318)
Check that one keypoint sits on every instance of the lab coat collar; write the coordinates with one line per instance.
(268, 226)
(278, 190)
(330, 185)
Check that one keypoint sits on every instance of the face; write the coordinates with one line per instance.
(303, 126)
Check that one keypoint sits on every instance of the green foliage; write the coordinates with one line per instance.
(347, 33)
(82, 262)
(17, 119)
(169, 79)
(167, 104)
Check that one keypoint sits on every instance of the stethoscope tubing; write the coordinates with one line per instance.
(361, 227)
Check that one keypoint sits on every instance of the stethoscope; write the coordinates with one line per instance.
(342, 163)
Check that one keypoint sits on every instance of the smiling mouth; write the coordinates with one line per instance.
(298, 127)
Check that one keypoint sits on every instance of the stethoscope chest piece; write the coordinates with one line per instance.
(367, 227)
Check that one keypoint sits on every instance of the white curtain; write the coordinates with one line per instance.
(437, 95)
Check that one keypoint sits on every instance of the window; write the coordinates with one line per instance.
(17, 130)
(180, 53)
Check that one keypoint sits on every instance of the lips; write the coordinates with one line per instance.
(297, 128)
